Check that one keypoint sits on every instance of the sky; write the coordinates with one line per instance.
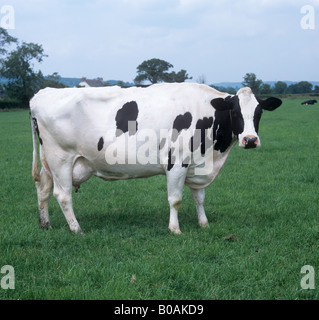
(218, 40)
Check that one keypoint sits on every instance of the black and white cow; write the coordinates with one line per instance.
(184, 131)
(309, 102)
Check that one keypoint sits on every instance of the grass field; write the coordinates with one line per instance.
(267, 199)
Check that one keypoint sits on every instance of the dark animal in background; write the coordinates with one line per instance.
(309, 102)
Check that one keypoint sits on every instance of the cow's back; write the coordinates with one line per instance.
(72, 111)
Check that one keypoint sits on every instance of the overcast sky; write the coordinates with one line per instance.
(220, 39)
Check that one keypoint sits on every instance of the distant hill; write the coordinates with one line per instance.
(72, 82)
(238, 85)
(235, 85)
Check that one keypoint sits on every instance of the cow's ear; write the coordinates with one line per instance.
(221, 104)
(270, 104)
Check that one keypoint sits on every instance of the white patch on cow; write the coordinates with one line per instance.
(115, 152)
(248, 104)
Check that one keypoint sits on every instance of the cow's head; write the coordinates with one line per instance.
(245, 112)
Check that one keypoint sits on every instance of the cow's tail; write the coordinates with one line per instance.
(35, 164)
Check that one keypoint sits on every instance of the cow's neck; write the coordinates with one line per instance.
(220, 158)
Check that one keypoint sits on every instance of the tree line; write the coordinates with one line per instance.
(17, 67)
(156, 70)
(280, 87)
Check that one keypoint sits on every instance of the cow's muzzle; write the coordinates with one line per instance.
(250, 142)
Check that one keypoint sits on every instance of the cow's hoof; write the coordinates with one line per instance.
(204, 224)
(45, 225)
(77, 231)
(75, 228)
(175, 230)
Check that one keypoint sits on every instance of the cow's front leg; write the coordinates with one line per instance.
(199, 197)
(175, 183)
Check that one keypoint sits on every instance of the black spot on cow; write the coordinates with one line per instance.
(171, 160)
(257, 116)
(100, 144)
(181, 122)
(228, 120)
(222, 131)
(200, 138)
(127, 113)
(35, 122)
(237, 119)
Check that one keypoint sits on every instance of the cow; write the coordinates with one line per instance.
(309, 102)
(182, 130)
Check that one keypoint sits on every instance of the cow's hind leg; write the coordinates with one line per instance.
(44, 188)
(175, 184)
(62, 191)
(199, 197)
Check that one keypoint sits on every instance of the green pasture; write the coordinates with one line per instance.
(263, 210)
